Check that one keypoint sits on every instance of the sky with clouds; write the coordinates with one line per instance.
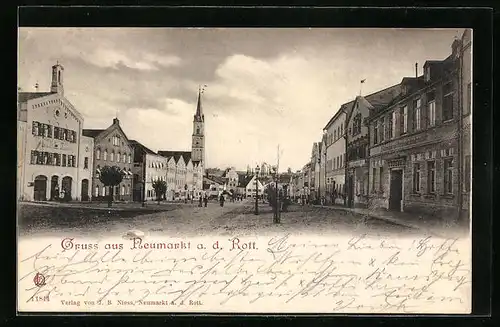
(264, 86)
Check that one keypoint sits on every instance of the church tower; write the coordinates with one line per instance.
(198, 143)
(57, 79)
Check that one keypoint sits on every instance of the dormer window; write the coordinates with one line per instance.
(427, 73)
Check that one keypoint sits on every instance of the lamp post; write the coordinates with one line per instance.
(257, 169)
(276, 216)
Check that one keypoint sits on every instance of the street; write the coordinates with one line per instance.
(183, 220)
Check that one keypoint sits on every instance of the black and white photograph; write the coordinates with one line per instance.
(244, 170)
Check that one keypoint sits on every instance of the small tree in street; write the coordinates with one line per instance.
(160, 188)
(110, 177)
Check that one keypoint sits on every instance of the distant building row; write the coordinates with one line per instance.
(58, 159)
(404, 148)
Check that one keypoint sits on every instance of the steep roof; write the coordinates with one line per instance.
(140, 146)
(186, 155)
(92, 132)
(26, 96)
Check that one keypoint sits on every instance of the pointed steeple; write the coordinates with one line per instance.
(199, 116)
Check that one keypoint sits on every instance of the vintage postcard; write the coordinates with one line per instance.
(225, 170)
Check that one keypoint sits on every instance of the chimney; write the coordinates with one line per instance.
(416, 70)
(116, 121)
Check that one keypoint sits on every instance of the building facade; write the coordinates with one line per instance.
(254, 188)
(335, 149)
(148, 167)
(112, 148)
(51, 151)
(415, 156)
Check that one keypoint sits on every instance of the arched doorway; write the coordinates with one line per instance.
(66, 188)
(85, 190)
(40, 188)
(54, 187)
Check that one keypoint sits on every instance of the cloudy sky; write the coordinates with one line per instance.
(264, 86)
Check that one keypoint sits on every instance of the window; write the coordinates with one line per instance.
(64, 160)
(96, 191)
(356, 126)
(34, 128)
(98, 154)
(448, 175)
(129, 158)
(122, 190)
(427, 74)
(118, 157)
(341, 129)
(417, 115)
(416, 178)
(116, 141)
(469, 99)
(335, 135)
(112, 156)
(467, 173)
(124, 159)
(432, 113)
(431, 177)
(374, 176)
(391, 124)
(404, 120)
(375, 132)
(86, 163)
(381, 181)
(447, 102)
(197, 130)
(103, 193)
(382, 129)
(105, 155)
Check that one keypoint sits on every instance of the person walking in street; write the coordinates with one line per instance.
(205, 200)
(200, 204)
(221, 199)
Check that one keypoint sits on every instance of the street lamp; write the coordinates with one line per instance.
(257, 169)
(276, 217)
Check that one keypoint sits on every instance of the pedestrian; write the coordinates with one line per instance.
(221, 199)
(200, 204)
(205, 200)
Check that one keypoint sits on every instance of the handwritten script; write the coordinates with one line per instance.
(277, 274)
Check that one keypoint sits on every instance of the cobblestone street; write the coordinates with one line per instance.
(181, 220)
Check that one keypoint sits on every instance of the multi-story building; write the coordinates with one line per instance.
(112, 148)
(465, 91)
(232, 179)
(148, 167)
(335, 148)
(415, 139)
(54, 161)
(357, 143)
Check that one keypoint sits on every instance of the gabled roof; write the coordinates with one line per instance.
(26, 96)
(92, 132)
(186, 155)
(139, 150)
(215, 179)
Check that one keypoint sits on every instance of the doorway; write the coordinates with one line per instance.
(350, 191)
(40, 188)
(396, 190)
(85, 190)
(54, 187)
(66, 188)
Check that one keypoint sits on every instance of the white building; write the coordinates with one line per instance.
(252, 187)
(51, 151)
(335, 152)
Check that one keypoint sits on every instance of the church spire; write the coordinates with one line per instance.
(199, 109)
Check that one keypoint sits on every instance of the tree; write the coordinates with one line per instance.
(111, 176)
(160, 187)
